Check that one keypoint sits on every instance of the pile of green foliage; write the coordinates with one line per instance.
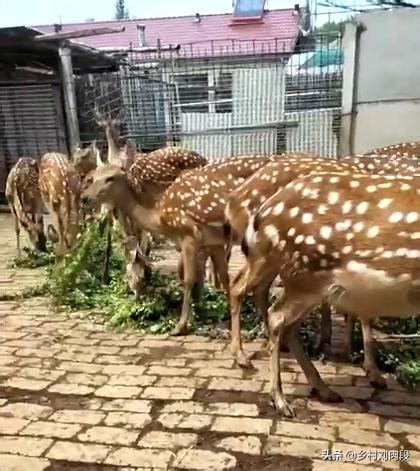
(77, 283)
(30, 258)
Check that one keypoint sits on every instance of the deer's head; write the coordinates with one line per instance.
(85, 159)
(35, 229)
(138, 265)
(107, 184)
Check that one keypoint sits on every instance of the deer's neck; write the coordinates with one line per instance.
(138, 216)
(113, 149)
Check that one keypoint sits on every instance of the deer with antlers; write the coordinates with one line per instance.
(25, 202)
(190, 211)
(60, 187)
(351, 238)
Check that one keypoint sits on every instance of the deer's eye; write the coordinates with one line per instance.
(109, 179)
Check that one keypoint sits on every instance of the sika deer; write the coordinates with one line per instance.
(60, 187)
(243, 202)
(351, 238)
(24, 198)
(190, 211)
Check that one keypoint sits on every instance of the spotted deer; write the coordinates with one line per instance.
(351, 238)
(241, 204)
(244, 201)
(190, 211)
(25, 202)
(150, 175)
(60, 187)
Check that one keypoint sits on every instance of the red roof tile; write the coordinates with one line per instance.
(277, 31)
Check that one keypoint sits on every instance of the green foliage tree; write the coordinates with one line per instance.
(121, 12)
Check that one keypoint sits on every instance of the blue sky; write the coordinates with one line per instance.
(33, 12)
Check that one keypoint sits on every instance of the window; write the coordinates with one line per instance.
(248, 8)
(223, 93)
(193, 93)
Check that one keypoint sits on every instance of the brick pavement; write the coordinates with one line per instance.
(74, 396)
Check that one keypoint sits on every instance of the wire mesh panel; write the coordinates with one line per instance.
(31, 123)
(227, 100)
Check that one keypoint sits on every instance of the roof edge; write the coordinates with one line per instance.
(129, 20)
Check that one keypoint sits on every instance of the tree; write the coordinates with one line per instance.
(121, 13)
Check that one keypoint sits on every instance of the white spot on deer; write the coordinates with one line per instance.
(245, 203)
(325, 232)
(321, 248)
(358, 227)
(346, 208)
(405, 187)
(413, 253)
(334, 179)
(355, 183)
(415, 235)
(396, 217)
(322, 209)
(343, 225)
(291, 232)
(412, 217)
(317, 179)
(347, 249)
(278, 208)
(384, 203)
(294, 212)
(333, 197)
(307, 218)
(371, 188)
(362, 207)
(373, 232)
(299, 239)
(310, 240)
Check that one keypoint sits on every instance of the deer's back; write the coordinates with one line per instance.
(58, 179)
(163, 166)
(200, 195)
(22, 185)
(406, 149)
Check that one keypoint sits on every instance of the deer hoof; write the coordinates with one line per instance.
(244, 359)
(377, 380)
(283, 408)
(328, 395)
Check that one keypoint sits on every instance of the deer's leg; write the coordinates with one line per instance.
(17, 232)
(189, 250)
(245, 281)
(369, 352)
(324, 343)
(261, 299)
(348, 337)
(200, 267)
(284, 322)
(220, 268)
(238, 291)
